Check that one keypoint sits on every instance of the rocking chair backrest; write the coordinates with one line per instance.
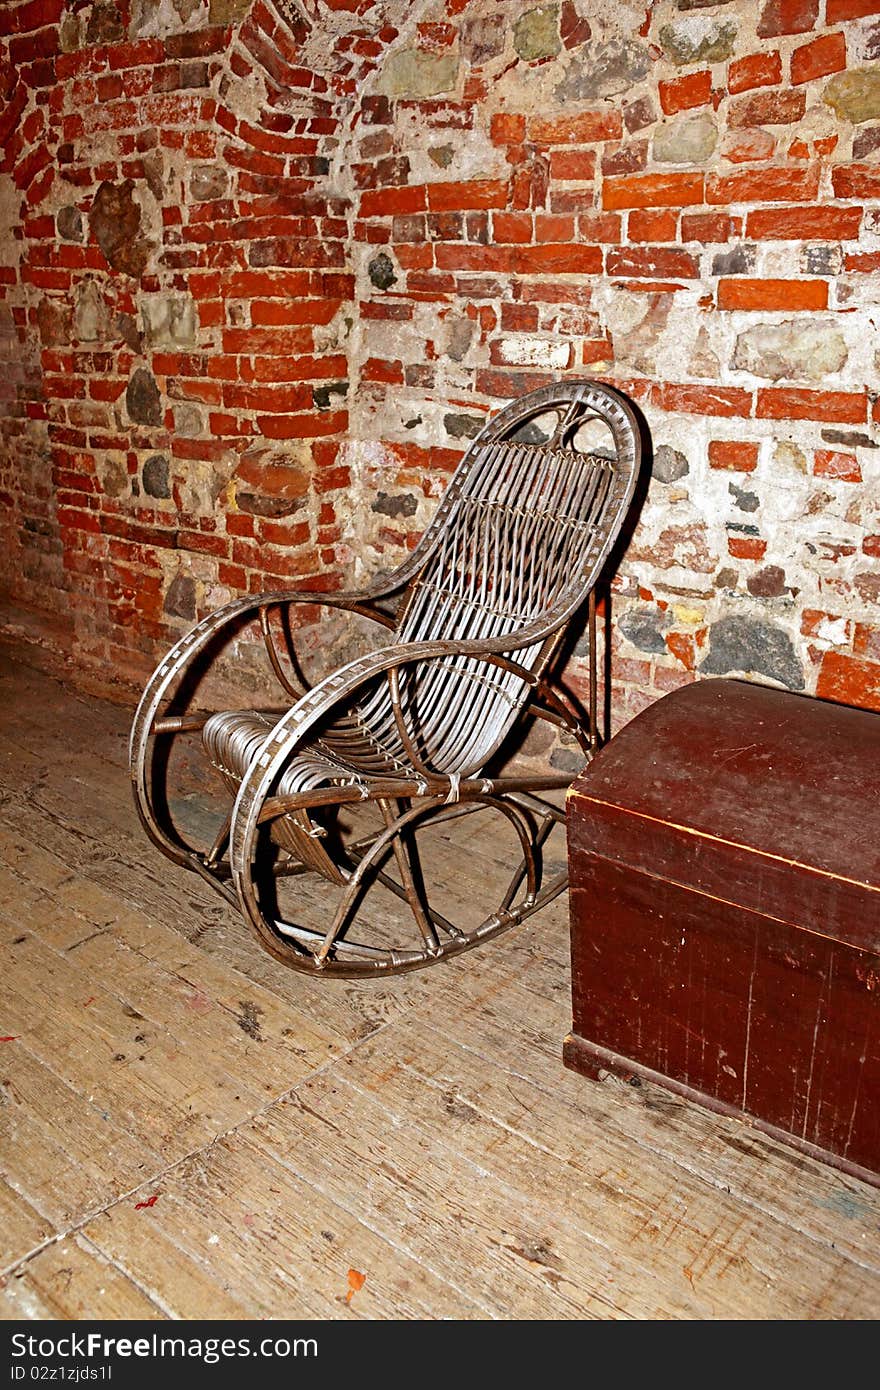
(518, 541)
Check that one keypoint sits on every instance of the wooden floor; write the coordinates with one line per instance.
(187, 1129)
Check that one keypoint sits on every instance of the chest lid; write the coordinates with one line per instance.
(750, 794)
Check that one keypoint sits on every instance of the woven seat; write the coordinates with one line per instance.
(477, 613)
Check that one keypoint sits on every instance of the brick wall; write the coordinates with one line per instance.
(266, 266)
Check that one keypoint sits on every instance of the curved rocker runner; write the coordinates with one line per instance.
(477, 613)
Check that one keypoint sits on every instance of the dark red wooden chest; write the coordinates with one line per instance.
(724, 853)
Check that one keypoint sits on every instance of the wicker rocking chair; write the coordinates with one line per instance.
(478, 611)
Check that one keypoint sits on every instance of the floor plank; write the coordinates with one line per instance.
(188, 1130)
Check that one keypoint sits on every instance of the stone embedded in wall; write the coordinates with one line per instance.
(610, 69)
(699, 39)
(636, 324)
(129, 332)
(208, 182)
(323, 396)
(188, 422)
(790, 349)
(688, 141)
(755, 647)
(457, 336)
(669, 465)
(703, 362)
(54, 322)
(685, 546)
(865, 142)
(228, 11)
(823, 259)
(743, 498)
(105, 25)
(114, 475)
(142, 399)
(180, 599)
(154, 173)
(156, 477)
(768, 582)
(441, 155)
(459, 426)
(381, 271)
(69, 33)
(855, 95)
(853, 439)
(482, 38)
(700, 4)
(69, 223)
(404, 504)
(158, 18)
(738, 261)
(415, 73)
(115, 220)
(170, 320)
(567, 760)
(536, 33)
(91, 316)
(271, 482)
(644, 628)
(788, 455)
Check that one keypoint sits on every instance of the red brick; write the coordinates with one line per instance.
(871, 545)
(573, 165)
(741, 293)
(793, 403)
(856, 181)
(805, 223)
(734, 454)
(849, 680)
(708, 227)
(653, 191)
(651, 260)
(763, 186)
(509, 385)
(512, 226)
(279, 400)
(866, 262)
(385, 202)
(481, 193)
(756, 70)
(747, 146)
(866, 640)
(555, 292)
(302, 426)
(819, 58)
(519, 318)
(729, 401)
(377, 369)
(562, 259)
(684, 93)
(787, 17)
(746, 547)
(585, 129)
(647, 225)
(828, 463)
(767, 108)
(507, 128)
(836, 11)
(625, 159)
